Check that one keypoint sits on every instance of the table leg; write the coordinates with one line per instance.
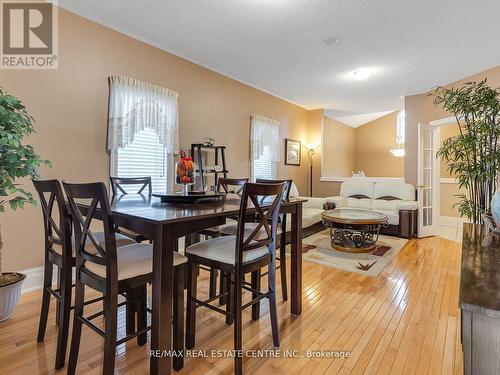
(161, 321)
(296, 261)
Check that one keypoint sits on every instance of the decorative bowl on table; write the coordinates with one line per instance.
(185, 172)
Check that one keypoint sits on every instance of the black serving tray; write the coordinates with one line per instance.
(191, 197)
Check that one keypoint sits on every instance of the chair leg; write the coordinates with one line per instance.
(77, 327)
(192, 275)
(44, 313)
(213, 283)
(236, 301)
(229, 300)
(130, 311)
(110, 324)
(142, 314)
(64, 314)
(284, 290)
(223, 287)
(271, 277)
(256, 285)
(58, 303)
(178, 328)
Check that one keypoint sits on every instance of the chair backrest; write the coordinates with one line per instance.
(266, 215)
(51, 194)
(117, 184)
(288, 185)
(231, 185)
(88, 201)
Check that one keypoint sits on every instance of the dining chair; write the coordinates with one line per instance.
(59, 251)
(117, 184)
(139, 184)
(111, 273)
(227, 186)
(230, 229)
(236, 256)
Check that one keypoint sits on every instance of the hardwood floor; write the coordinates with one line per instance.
(405, 321)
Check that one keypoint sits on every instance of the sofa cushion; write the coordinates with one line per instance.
(311, 216)
(350, 188)
(398, 190)
(313, 202)
(382, 204)
(359, 203)
(392, 217)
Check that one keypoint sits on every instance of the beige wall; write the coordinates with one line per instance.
(70, 106)
(420, 108)
(339, 148)
(372, 144)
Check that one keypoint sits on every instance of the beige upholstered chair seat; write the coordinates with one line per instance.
(133, 260)
(230, 229)
(222, 249)
(121, 240)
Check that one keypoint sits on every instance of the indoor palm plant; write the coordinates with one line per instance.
(16, 161)
(473, 156)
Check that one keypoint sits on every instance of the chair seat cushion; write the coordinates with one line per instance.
(230, 229)
(133, 260)
(121, 240)
(222, 249)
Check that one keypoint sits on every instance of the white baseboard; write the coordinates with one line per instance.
(452, 221)
(34, 279)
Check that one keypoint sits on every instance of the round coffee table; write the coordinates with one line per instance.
(354, 231)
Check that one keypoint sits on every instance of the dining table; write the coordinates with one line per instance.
(165, 224)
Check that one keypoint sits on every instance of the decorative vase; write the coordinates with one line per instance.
(10, 290)
(495, 208)
(185, 175)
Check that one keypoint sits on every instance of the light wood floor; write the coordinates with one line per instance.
(405, 321)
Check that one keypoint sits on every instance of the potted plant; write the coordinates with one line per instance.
(473, 156)
(16, 161)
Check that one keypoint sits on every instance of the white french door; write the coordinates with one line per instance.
(428, 180)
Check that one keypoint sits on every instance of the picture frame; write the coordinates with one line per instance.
(293, 150)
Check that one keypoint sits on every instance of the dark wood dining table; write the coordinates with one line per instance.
(165, 223)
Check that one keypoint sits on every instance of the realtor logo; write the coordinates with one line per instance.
(29, 35)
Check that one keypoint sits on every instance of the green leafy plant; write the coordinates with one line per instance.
(16, 159)
(473, 156)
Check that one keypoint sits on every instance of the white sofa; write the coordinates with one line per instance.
(396, 200)
(312, 221)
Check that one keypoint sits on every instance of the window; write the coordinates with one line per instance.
(264, 166)
(264, 145)
(400, 129)
(143, 131)
(145, 156)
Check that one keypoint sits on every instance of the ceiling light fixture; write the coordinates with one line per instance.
(361, 74)
(330, 41)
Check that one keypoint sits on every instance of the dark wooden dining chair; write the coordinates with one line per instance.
(59, 252)
(111, 273)
(139, 185)
(236, 256)
(230, 229)
(227, 186)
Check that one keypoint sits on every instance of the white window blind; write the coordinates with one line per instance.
(264, 146)
(144, 157)
(400, 129)
(264, 166)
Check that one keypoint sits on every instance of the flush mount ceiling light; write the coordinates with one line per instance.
(361, 74)
(330, 41)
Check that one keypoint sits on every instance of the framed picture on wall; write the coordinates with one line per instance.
(292, 152)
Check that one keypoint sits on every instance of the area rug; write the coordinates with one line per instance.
(317, 249)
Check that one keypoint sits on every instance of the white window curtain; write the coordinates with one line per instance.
(264, 147)
(143, 130)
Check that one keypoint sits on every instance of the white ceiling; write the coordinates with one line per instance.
(276, 45)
